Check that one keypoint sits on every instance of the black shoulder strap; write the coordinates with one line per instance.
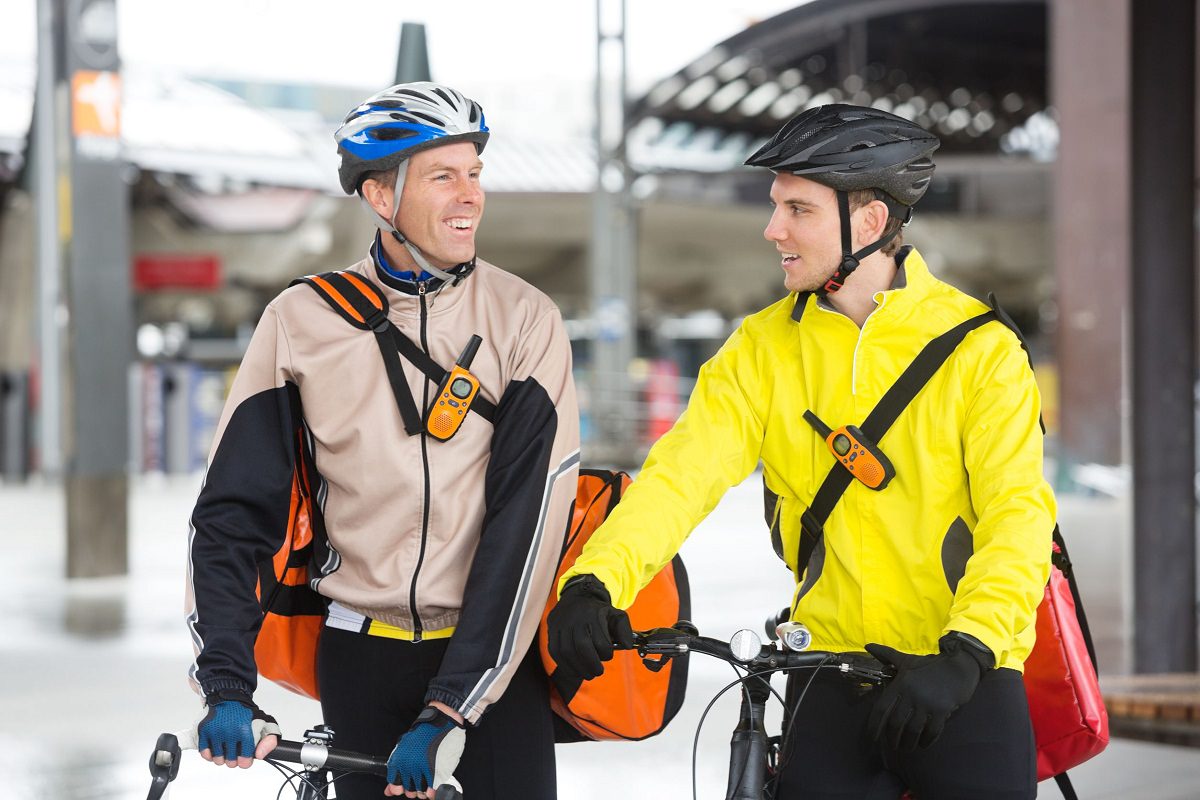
(1003, 316)
(1064, 786)
(890, 406)
(1061, 560)
(360, 302)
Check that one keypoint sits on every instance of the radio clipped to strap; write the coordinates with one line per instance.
(454, 395)
(855, 452)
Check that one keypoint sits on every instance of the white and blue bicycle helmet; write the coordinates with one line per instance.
(385, 130)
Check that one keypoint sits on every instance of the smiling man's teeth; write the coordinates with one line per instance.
(789, 256)
(459, 223)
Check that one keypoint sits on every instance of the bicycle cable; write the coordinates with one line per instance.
(289, 775)
(786, 734)
(292, 775)
(741, 680)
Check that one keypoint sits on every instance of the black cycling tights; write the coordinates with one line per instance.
(372, 688)
(986, 751)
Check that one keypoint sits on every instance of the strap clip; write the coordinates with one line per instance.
(377, 321)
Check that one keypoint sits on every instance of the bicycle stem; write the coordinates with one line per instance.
(749, 745)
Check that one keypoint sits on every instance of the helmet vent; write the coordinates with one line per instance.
(430, 119)
(447, 98)
(391, 134)
(413, 93)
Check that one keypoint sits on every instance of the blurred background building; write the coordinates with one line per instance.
(232, 192)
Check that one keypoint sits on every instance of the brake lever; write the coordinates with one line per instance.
(164, 765)
(876, 675)
(665, 642)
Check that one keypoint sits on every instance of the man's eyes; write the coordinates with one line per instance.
(445, 176)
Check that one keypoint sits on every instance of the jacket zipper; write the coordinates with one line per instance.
(425, 463)
(858, 341)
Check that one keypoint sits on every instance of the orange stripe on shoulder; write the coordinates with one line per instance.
(337, 297)
(362, 287)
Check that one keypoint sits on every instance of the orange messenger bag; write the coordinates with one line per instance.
(628, 701)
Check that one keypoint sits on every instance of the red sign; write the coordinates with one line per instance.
(176, 271)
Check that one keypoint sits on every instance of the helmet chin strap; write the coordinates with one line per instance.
(389, 226)
(850, 259)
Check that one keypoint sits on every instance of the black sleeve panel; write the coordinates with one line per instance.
(240, 519)
(498, 586)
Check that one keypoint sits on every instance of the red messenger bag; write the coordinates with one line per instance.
(1070, 722)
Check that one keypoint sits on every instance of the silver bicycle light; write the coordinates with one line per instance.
(745, 645)
(795, 635)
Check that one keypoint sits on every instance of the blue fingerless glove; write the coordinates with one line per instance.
(233, 725)
(426, 756)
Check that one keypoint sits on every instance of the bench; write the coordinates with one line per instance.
(1158, 708)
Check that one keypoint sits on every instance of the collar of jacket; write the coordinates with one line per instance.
(912, 279)
(433, 285)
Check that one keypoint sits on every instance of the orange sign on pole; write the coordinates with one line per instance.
(96, 104)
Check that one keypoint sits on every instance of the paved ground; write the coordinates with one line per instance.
(93, 670)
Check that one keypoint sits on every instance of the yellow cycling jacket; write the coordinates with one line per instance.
(959, 540)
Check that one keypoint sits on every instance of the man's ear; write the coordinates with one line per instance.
(873, 218)
(378, 196)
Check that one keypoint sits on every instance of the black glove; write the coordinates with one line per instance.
(913, 709)
(583, 626)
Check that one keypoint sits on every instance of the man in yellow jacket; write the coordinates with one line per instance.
(940, 572)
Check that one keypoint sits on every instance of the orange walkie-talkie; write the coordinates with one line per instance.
(855, 452)
(454, 395)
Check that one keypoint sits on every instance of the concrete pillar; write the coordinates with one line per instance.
(99, 299)
(1089, 45)
(1162, 287)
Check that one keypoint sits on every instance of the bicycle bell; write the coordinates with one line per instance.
(795, 635)
(745, 645)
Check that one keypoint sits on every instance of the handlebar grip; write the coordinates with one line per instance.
(775, 620)
(164, 765)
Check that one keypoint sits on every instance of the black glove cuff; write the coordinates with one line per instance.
(235, 695)
(436, 717)
(959, 642)
(588, 585)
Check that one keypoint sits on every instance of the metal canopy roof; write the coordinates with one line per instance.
(173, 125)
(975, 73)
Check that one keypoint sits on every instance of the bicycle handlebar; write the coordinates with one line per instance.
(311, 754)
(684, 638)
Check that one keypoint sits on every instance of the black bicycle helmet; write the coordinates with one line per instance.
(850, 148)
